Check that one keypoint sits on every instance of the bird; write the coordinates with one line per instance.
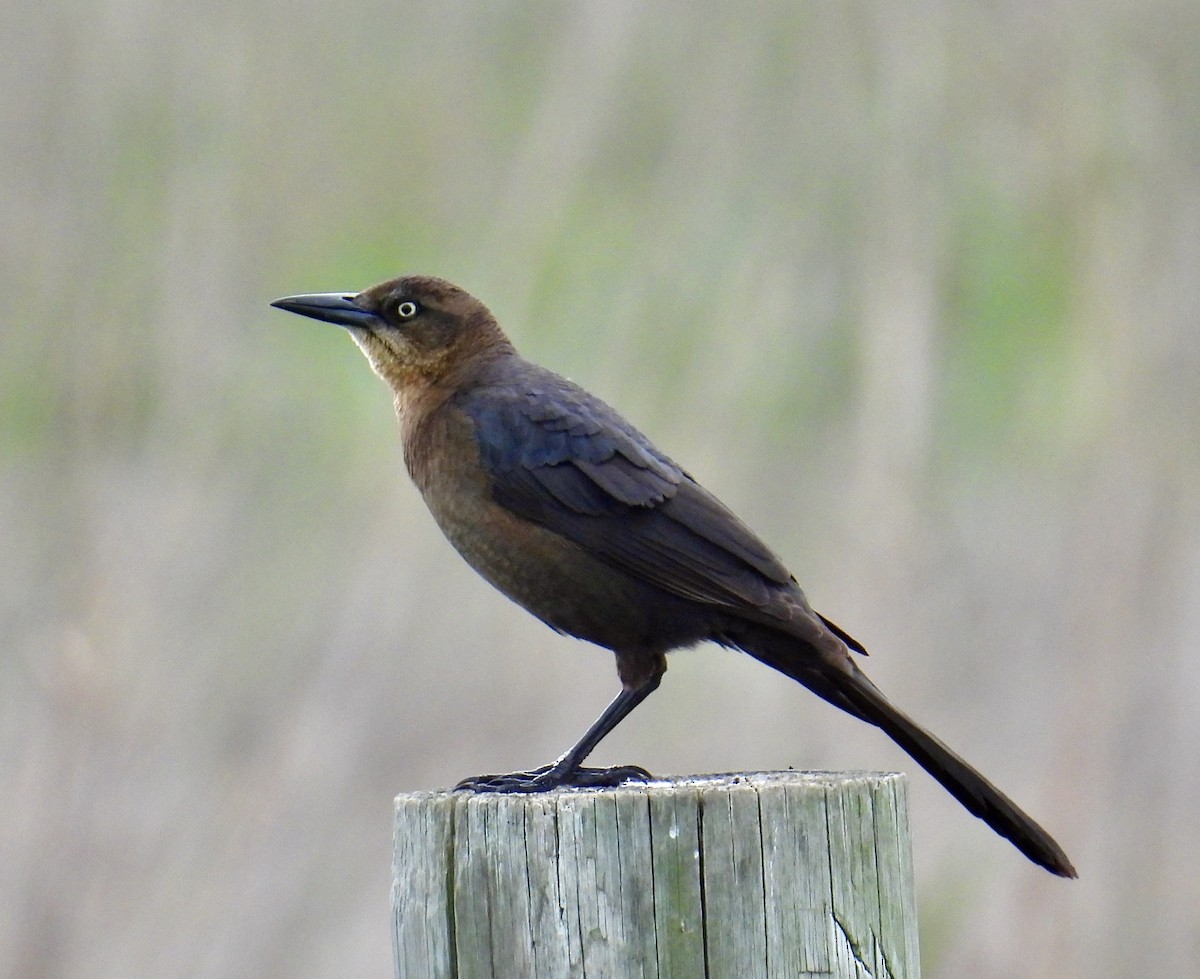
(567, 509)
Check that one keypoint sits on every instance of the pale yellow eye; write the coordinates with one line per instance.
(406, 309)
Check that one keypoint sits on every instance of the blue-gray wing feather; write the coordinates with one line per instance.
(563, 459)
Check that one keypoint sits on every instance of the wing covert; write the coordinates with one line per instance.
(565, 460)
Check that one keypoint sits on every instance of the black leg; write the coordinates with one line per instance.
(567, 770)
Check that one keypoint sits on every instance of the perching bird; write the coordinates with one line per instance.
(573, 514)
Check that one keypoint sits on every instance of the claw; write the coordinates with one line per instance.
(549, 777)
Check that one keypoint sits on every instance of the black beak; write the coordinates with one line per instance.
(329, 307)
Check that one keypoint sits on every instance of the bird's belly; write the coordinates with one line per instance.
(557, 581)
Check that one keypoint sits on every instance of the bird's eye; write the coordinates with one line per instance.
(406, 309)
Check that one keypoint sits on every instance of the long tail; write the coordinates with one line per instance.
(851, 690)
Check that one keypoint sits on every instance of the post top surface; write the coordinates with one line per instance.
(706, 783)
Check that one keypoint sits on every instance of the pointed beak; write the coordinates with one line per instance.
(329, 307)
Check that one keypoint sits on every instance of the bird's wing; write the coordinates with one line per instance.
(563, 459)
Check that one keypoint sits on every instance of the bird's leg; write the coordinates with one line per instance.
(568, 770)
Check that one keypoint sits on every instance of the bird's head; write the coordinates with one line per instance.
(416, 330)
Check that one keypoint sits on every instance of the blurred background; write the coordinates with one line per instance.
(914, 288)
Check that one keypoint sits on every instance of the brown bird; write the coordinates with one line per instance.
(573, 514)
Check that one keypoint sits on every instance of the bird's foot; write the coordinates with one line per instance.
(550, 777)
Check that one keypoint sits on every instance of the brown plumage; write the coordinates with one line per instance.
(572, 513)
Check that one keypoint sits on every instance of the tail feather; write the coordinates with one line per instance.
(851, 690)
(979, 796)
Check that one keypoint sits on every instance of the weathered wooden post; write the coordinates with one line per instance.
(782, 874)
